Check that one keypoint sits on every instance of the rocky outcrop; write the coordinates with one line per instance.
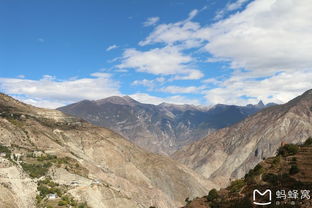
(160, 128)
(106, 169)
(232, 151)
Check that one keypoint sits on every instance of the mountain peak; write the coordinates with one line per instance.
(260, 104)
(125, 100)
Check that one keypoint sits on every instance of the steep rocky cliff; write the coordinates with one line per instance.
(160, 128)
(231, 152)
(45, 152)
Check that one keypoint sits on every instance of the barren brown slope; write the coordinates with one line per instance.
(290, 170)
(231, 152)
(126, 176)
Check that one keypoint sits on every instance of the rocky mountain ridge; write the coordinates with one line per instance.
(230, 152)
(59, 160)
(162, 128)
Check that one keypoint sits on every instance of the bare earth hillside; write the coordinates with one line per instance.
(46, 152)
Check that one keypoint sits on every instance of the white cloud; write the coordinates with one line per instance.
(235, 5)
(49, 91)
(268, 41)
(212, 81)
(184, 31)
(192, 14)
(109, 48)
(279, 88)
(22, 76)
(160, 61)
(231, 6)
(271, 35)
(178, 89)
(145, 98)
(270, 38)
(151, 21)
(150, 83)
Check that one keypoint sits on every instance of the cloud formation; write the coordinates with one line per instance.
(109, 48)
(160, 61)
(266, 43)
(52, 93)
(151, 21)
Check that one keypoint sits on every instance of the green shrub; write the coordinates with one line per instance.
(249, 177)
(38, 199)
(242, 203)
(46, 157)
(308, 142)
(187, 200)
(270, 178)
(213, 194)
(236, 185)
(288, 149)
(293, 170)
(62, 203)
(43, 190)
(84, 205)
(5, 150)
(276, 160)
(36, 170)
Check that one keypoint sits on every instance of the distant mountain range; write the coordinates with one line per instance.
(162, 128)
(231, 152)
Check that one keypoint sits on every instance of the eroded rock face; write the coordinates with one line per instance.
(110, 171)
(231, 152)
(16, 188)
(160, 128)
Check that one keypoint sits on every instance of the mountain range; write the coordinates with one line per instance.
(231, 152)
(162, 128)
(59, 160)
(50, 159)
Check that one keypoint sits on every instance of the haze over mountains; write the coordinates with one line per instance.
(233, 151)
(46, 151)
(162, 128)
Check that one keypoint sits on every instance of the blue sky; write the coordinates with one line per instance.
(203, 52)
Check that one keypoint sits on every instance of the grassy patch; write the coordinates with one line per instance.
(287, 150)
(6, 150)
(236, 186)
(36, 170)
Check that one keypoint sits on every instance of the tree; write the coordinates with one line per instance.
(213, 194)
(293, 170)
(287, 149)
(308, 142)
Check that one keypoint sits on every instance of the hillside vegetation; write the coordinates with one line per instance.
(289, 170)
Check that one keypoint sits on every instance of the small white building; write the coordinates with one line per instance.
(38, 154)
(18, 156)
(96, 181)
(52, 196)
(2, 154)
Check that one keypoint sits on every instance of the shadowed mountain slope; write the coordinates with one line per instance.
(160, 128)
